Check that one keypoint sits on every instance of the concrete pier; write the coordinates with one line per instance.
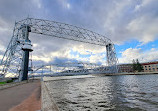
(48, 103)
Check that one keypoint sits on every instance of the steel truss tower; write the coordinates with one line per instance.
(15, 61)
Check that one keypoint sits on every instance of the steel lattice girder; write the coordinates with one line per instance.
(65, 31)
(55, 29)
(70, 68)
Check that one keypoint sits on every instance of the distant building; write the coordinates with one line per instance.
(125, 68)
(147, 67)
(150, 66)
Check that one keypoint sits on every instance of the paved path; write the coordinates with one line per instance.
(13, 96)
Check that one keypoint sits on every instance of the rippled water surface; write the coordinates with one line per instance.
(127, 93)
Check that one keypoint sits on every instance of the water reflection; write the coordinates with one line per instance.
(106, 93)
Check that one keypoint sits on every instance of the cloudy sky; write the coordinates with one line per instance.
(131, 24)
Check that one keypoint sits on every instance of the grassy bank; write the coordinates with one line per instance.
(2, 83)
(8, 81)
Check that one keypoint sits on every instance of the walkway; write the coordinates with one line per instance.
(21, 97)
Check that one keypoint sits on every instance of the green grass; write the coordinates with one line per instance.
(2, 82)
(5, 82)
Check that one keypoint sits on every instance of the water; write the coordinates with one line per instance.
(115, 93)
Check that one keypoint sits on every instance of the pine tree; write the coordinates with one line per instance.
(139, 67)
(134, 65)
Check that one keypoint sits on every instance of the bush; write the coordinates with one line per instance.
(9, 81)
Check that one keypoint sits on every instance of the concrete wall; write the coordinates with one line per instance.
(48, 104)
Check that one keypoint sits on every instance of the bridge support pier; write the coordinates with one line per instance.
(111, 58)
(27, 48)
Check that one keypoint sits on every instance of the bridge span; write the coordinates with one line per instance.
(15, 61)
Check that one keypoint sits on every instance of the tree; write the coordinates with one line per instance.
(137, 66)
(134, 66)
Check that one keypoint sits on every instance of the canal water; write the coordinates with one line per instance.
(102, 93)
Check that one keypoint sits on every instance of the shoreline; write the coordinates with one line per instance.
(118, 74)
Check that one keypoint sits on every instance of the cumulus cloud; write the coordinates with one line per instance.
(89, 49)
(136, 53)
(126, 21)
(144, 27)
(129, 54)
